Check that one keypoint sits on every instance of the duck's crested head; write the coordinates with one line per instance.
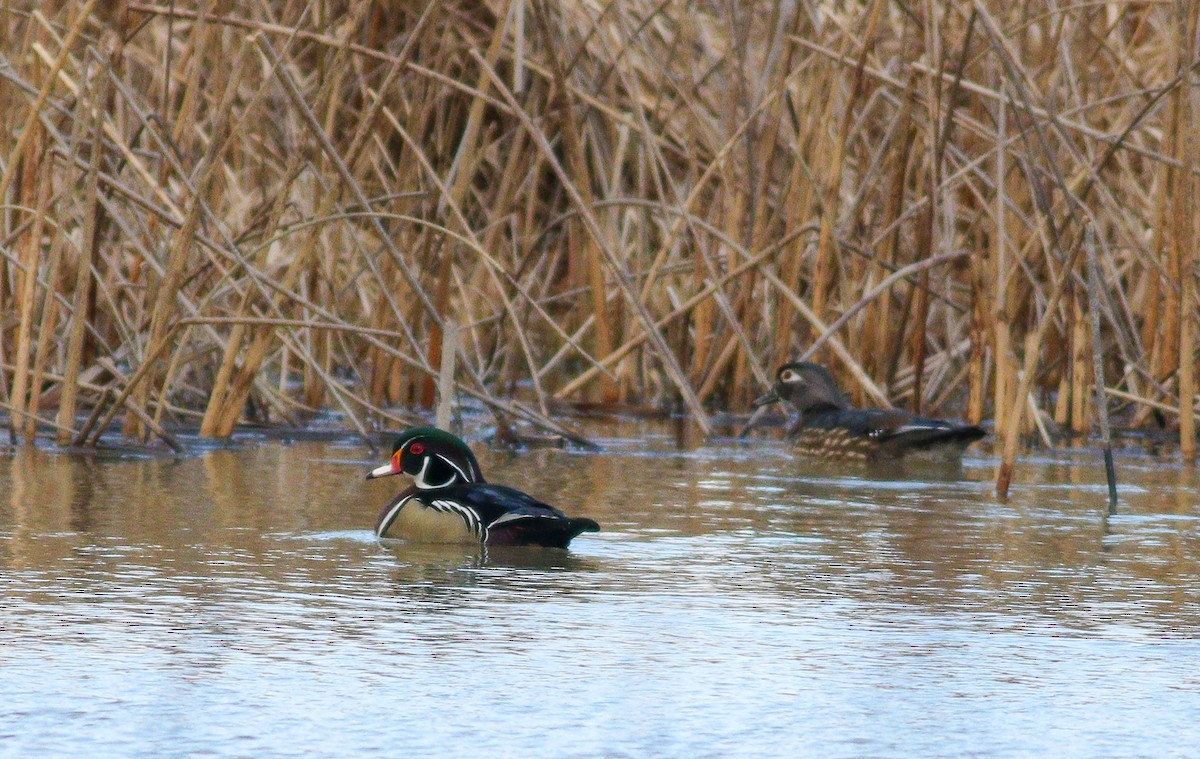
(432, 457)
(807, 386)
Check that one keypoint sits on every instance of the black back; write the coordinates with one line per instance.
(513, 517)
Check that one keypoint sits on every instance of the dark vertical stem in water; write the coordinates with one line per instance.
(1110, 470)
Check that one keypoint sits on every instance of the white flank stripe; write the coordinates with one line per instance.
(927, 427)
(513, 517)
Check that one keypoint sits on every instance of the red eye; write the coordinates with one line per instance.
(416, 449)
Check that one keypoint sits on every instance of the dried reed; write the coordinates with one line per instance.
(263, 210)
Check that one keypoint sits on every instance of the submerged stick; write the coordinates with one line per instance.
(82, 436)
(133, 407)
(1110, 470)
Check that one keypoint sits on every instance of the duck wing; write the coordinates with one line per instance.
(896, 431)
(511, 517)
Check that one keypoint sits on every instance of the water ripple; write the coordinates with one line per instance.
(738, 602)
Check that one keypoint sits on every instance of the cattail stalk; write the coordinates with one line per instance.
(82, 291)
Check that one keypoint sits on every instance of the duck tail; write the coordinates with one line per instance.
(924, 434)
(564, 531)
(548, 533)
(582, 524)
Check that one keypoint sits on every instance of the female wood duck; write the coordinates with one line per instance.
(450, 502)
(828, 426)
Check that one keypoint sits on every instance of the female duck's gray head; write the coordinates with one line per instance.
(432, 457)
(807, 386)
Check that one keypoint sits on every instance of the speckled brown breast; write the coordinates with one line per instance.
(836, 443)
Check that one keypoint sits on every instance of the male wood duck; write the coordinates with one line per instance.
(450, 502)
(829, 427)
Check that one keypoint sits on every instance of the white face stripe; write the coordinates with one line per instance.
(466, 477)
(425, 484)
(419, 480)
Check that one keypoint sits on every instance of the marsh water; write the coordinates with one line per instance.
(233, 602)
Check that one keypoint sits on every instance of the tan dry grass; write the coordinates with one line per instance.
(277, 206)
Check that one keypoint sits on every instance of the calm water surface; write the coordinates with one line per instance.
(738, 602)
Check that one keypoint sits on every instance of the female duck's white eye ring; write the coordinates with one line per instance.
(789, 376)
(416, 449)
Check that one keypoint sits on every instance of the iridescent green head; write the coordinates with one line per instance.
(433, 458)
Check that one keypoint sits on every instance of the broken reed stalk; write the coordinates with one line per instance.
(82, 291)
(446, 374)
(1094, 285)
(998, 263)
(1033, 345)
(1186, 208)
(47, 325)
(28, 280)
